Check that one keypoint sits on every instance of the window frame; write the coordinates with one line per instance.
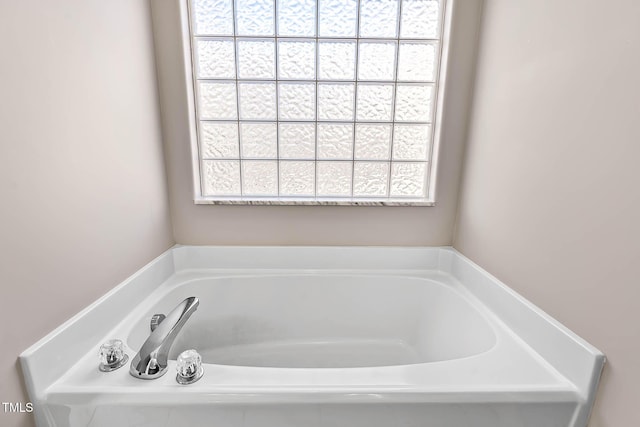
(189, 65)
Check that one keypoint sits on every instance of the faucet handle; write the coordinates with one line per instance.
(189, 367)
(156, 319)
(112, 356)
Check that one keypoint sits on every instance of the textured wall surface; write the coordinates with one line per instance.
(550, 200)
(83, 188)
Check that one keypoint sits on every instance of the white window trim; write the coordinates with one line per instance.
(433, 164)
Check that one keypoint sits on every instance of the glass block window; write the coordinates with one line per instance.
(315, 101)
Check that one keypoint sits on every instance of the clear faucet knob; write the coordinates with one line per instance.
(112, 355)
(189, 367)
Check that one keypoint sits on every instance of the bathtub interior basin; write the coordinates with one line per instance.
(324, 321)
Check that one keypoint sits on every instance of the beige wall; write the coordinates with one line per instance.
(82, 191)
(309, 225)
(551, 200)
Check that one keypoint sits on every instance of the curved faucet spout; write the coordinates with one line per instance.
(151, 360)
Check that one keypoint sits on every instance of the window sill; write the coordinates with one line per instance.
(314, 202)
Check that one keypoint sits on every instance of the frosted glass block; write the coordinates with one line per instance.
(338, 18)
(259, 140)
(335, 101)
(408, 179)
(336, 60)
(297, 101)
(221, 177)
(215, 59)
(375, 102)
(335, 141)
(377, 61)
(296, 60)
(334, 179)
(373, 142)
(370, 179)
(256, 59)
(413, 103)
(259, 178)
(378, 18)
(219, 140)
(297, 140)
(254, 18)
(411, 142)
(297, 178)
(217, 101)
(297, 18)
(257, 101)
(420, 19)
(214, 17)
(416, 61)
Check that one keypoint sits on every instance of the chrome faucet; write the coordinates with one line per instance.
(151, 360)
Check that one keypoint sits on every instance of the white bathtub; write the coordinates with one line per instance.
(305, 337)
